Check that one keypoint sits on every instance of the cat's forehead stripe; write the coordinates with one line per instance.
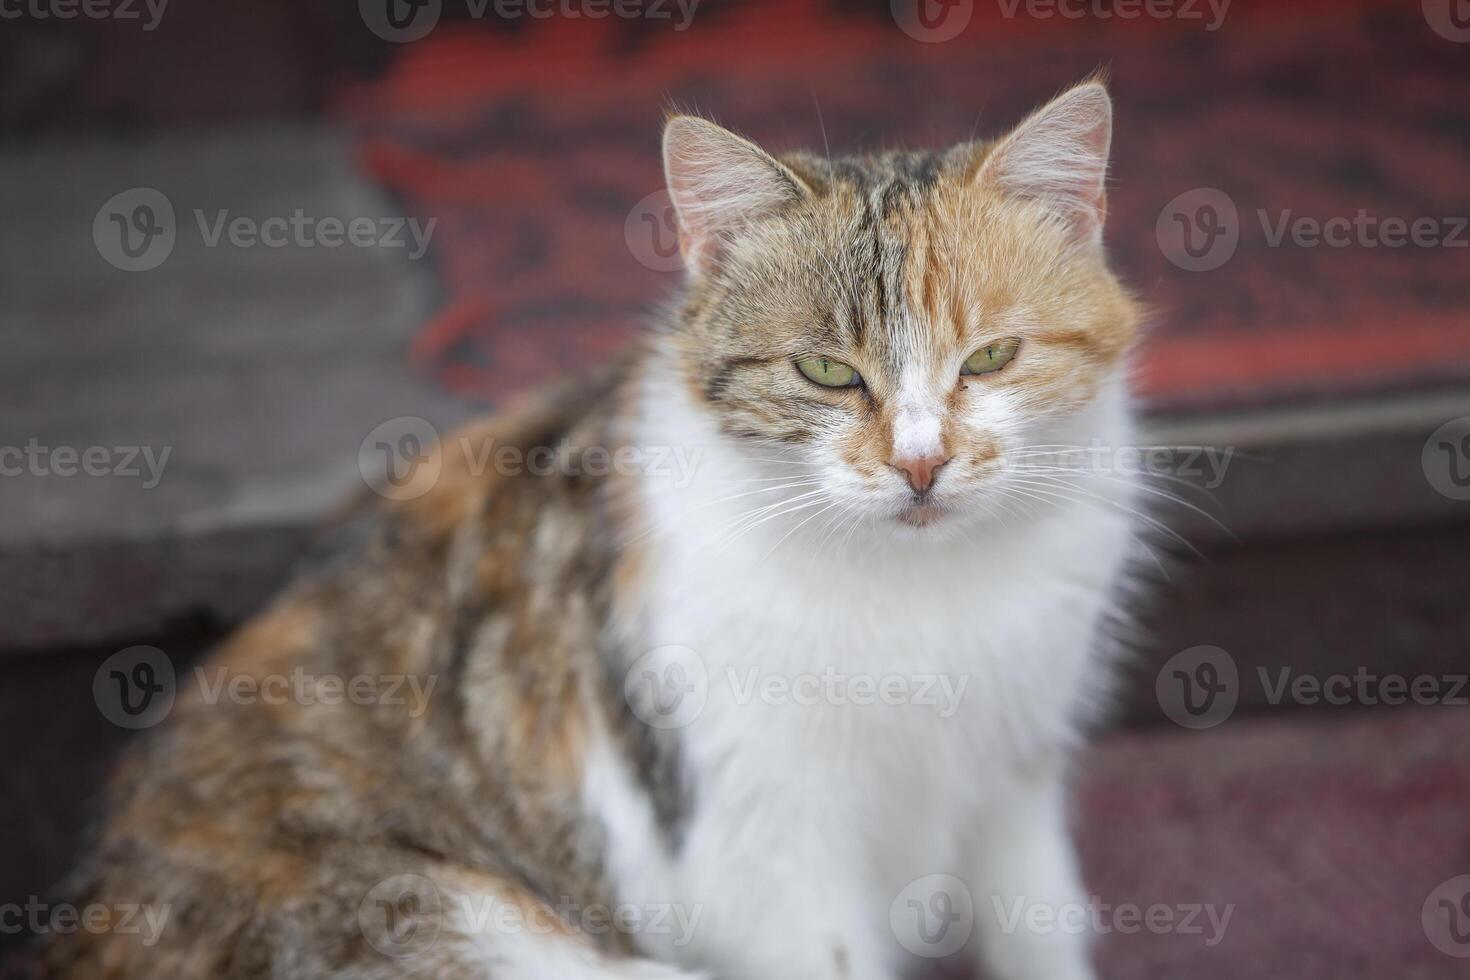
(893, 241)
(885, 319)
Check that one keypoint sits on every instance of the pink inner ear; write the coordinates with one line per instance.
(698, 241)
(719, 183)
(1060, 155)
(695, 239)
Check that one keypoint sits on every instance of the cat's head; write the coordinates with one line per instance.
(902, 327)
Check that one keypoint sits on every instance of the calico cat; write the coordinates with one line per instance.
(734, 722)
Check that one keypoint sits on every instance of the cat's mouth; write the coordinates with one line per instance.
(921, 513)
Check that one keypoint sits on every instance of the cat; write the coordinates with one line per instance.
(789, 712)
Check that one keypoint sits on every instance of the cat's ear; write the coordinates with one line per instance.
(719, 184)
(1059, 156)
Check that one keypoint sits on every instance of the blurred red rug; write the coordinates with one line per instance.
(1326, 835)
(534, 142)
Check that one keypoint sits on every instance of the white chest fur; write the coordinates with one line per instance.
(857, 711)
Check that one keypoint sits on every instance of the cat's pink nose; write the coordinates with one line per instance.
(920, 470)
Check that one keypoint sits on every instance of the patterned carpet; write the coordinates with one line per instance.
(534, 148)
(1315, 843)
(1326, 835)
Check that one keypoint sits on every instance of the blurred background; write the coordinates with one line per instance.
(240, 238)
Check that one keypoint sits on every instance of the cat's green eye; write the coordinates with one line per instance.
(828, 373)
(991, 357)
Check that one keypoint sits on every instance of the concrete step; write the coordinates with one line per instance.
(222, 395)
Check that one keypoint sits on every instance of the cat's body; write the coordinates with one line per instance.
(756, 704)
(836, 804)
